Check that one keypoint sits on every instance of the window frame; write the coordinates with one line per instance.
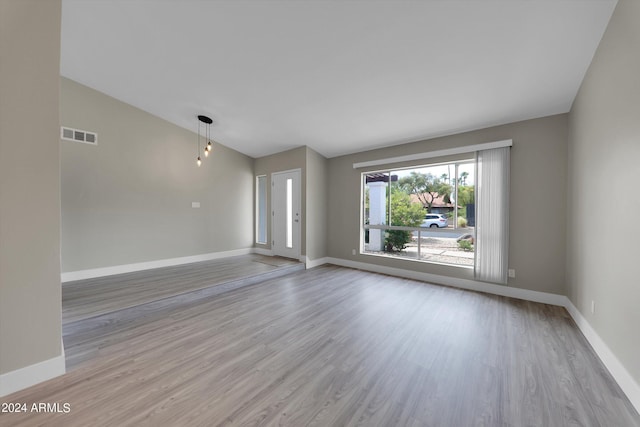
(468, 158)
(261, 215)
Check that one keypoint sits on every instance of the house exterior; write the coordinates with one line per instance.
(439, 205)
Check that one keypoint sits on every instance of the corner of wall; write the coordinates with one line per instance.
(28, 376)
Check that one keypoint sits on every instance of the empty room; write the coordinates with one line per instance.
(323, 212)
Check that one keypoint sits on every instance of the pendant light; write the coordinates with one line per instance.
(207, 121)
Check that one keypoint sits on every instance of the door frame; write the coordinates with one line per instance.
(297, 242)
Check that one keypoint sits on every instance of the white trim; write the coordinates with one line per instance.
(626, 382)
(257, 210)
(128, 268)
(287, 171)
(311, 263)
(474, 285)
(437, 153)
(31, 375)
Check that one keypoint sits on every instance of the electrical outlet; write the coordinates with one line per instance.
(195, 205)
(512, 273)
(353, 251)
(593, 307)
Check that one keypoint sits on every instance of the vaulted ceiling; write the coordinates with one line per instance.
(338, 76)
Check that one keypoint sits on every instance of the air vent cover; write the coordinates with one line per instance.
(78, 135)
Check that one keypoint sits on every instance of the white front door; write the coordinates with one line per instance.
(286, 220)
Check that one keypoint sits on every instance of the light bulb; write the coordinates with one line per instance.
(209, 146)
(206, 153)
(199, 162)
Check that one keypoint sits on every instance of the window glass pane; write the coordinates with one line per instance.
(375, 209)
(289, 213)
(431, 187)
(261, 209)
(421, 200)
(375, 198)
(466, 196)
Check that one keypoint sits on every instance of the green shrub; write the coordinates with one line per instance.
(405, 214)
(462, 222)
(465, 245)
(396, 240)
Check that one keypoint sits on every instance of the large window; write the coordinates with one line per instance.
(465, 201)
(424, 213)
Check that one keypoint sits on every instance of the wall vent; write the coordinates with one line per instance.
(78, 135)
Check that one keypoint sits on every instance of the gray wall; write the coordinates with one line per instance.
(537, 205)
(30, 325)
(128, 199)
(287, 160)
(317, 195)
(313, 191)
(604, 150)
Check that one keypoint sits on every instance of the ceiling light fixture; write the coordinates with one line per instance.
(206, 120)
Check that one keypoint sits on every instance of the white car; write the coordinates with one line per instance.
(435, 220)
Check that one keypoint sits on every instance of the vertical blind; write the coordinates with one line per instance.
(492, 215)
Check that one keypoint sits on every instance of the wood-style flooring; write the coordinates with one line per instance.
(88, 298)
(98, 313)
(339, 347)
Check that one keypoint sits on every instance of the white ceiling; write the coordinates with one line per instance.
(338, 76)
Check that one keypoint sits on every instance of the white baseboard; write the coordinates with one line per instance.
(140, 266)
(311, 263)
(31, 375)
(626, 382)
(473, 285)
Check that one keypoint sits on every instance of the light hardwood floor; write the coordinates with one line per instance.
(333, 346)
(88, 298)
(98, 313)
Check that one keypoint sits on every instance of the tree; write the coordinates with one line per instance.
(426, 187)
(463, 178)
(466, 195)
(403, 213)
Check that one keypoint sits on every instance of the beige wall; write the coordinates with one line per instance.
(317, 195)
(287, 160)
(30, 325)
(313, 189)
(604, 150)
(537, 213)
(128, 199)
